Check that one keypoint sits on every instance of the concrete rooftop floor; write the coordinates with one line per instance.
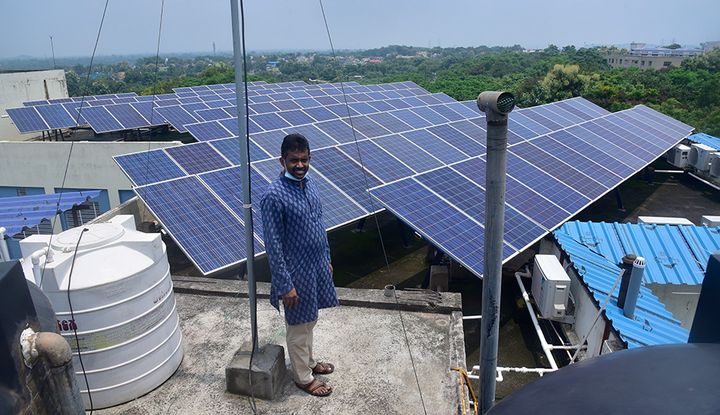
(363, 337)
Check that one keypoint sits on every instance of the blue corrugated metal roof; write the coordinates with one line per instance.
(16, 213)
(706, 139)
(653, 323)
(674, 254)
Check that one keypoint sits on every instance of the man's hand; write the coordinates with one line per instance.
(290, 299)
(331, 268)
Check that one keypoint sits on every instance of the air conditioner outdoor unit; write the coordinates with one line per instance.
(550, 286)
(714, 164)
(699, 156)
(678, 156)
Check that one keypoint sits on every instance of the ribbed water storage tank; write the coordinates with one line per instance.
(122, 301)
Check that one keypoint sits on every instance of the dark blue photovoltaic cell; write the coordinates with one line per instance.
(145, 109)
(205, 229)
(435, 146)
(553, 110)
(430, 115)
(565, 138)
(645, 134)
(315, 136)
(465, 111)
(307, 102)
(390, 122)
(101, 120)
(561, 171)
(322, 114)
(418, 159)
(128, 117)
(346, 174)
(458, 139)
(443, 225)
(269, 121)
(518, 128)
(567, 106)
(296, 117)
(149, 167)
(593, 110)
(177, 117)
(219, 103)
(206, 131)
(470, 198)
(197, 158)
(263, 107)
(545, 122)
(520, 197)
(286, 105)
(327, 100)
(430, 99)
(411, 118)
(230, 148)
(662, 119)
(381, 106)
(376, 160)
(368, 127)
(211, 114)
(227, 184)
(588, 165)
(602, 139)
(474, 130)
(529, 123)
(553, 189)
(56, 116)
(270, 141)
(340, 131)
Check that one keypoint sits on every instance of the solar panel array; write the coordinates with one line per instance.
(399, 140)
(550, 177)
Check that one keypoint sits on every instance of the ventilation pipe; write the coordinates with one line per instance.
(626, 264)
(4, 253)
(633, 289)
(496, 105)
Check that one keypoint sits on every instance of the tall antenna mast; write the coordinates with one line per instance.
(52, 48)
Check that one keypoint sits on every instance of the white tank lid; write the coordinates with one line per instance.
(98, 234)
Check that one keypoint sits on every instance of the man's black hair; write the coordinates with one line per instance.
(294, 142)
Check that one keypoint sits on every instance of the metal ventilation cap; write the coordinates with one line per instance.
(639, 262)
(498, 101)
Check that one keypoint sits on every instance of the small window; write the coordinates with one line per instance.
(642, 63)
(667, 63)
(21, 191)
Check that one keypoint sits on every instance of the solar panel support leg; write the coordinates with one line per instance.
(618, 199)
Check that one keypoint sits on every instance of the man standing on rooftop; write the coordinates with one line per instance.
(299, 257)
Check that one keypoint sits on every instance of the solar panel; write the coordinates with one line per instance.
(177, 117)
(149, 167)
(197, 158)
(214, 243)
(127, 116)
(56, 116)
(101, 120)
(27, 119)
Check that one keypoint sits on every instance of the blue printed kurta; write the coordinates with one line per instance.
(297, 248)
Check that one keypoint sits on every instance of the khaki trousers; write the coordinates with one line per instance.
(299, 340)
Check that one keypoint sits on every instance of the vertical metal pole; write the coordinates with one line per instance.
(493, 248)
(52, 48)
(244, 167)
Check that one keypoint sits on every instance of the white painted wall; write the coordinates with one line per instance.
(42, 164)
(19, 87)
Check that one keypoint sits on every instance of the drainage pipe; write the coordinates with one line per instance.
(4, 253)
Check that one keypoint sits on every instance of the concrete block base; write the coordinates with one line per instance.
(267, 372)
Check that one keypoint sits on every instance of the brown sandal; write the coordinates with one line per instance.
(313, 388)
(322, 368)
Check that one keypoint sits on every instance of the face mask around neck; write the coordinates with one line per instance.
(291, 177)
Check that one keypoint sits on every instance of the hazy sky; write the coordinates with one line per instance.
(192, 25)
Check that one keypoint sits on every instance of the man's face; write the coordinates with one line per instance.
(296, 163)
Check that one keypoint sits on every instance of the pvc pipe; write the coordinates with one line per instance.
(545, 346)
(4, 253)
(35, 259)
(478, 317)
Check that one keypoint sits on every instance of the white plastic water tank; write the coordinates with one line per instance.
(123, 306)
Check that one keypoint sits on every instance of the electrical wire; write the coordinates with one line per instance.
(72, 143)
(372, 202)
(155, 82)
(72, 317)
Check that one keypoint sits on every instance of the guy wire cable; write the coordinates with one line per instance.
(372, 204)
(154, 95)
(72, 317)
(72, 143)
(253, 404)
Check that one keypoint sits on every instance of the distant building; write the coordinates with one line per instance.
(647, 57)
(17, 87)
